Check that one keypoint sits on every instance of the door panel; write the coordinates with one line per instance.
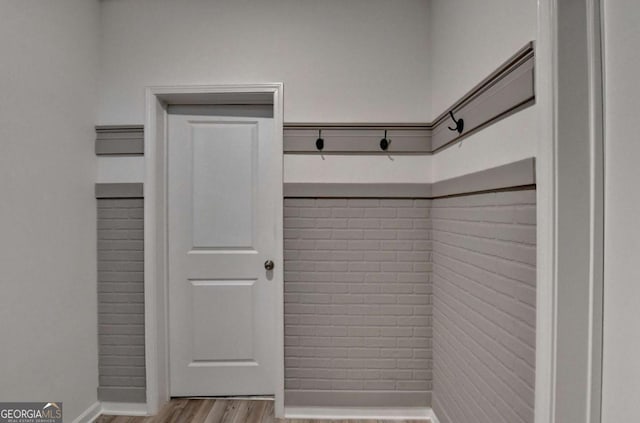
(223, 211)
(214, 302)
(222, 228)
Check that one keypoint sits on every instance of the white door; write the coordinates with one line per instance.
(224, 207)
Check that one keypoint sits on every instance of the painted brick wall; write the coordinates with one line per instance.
(484, 281)
(357, 299)
(121, 300)
(358, 295)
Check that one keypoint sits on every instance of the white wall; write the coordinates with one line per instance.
(621, 368)
(506, 141)
(340, 61)
(47, 211)
(355, 61)
(469, 39)
(305, 168)
(117, 169)
(389, 169)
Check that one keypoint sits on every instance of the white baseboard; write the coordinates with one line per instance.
(333, 413)
(124, 408)
(90, 414)
(357, 399)
(339, 413)
(432, 416)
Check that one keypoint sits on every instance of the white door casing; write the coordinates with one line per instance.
(222, 228)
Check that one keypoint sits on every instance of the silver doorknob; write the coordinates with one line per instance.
(269, 265)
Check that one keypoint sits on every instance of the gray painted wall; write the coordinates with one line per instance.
(357, 302)
(121, 300)
(484, 250)
(361, 276)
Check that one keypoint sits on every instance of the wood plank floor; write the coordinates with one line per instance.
(222, 411)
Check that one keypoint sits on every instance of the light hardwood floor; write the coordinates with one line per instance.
(222, 411)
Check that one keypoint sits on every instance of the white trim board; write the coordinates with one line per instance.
(341, 413)
(90, 414)
(357, 399)
(387, 413)
(111, 408)
(124, 409)
(569, 171)
(431, 415)
(155, 231)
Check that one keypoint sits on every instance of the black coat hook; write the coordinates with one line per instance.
(459, 123)
(384, 142)
(320, 141)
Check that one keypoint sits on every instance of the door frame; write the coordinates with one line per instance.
(570, 229)
(155, 228)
